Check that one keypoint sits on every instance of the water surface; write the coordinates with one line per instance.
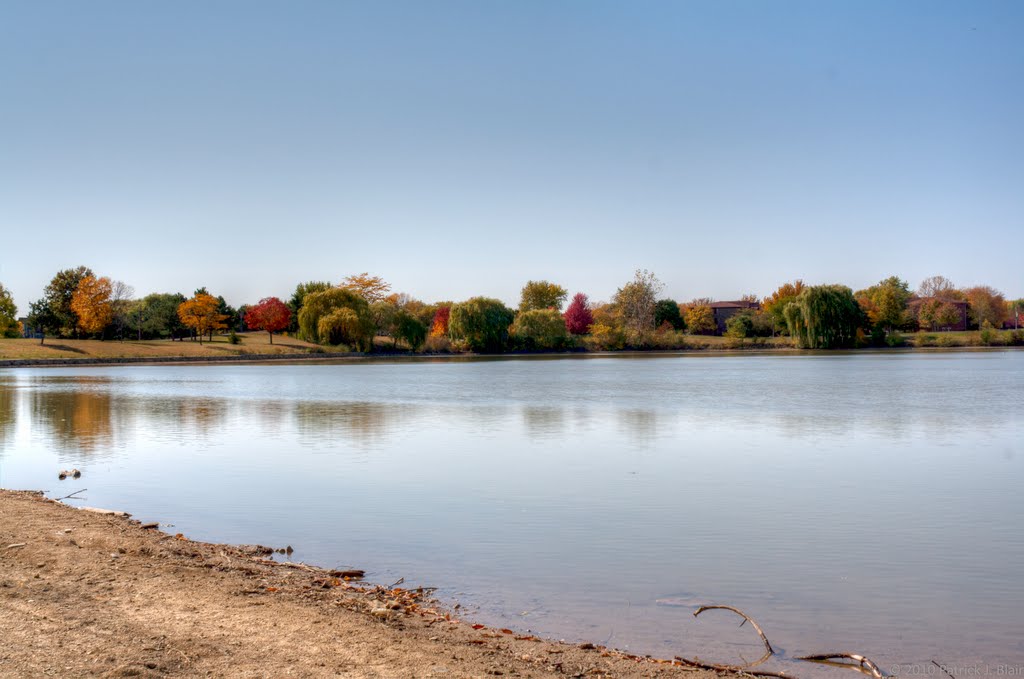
(867, 502)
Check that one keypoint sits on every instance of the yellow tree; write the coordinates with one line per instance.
(200, 313)
(371, 288)
(91, 304)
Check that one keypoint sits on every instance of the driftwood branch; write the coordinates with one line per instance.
(864, 665)
(70, 495)
(745, 668)
(733, 669)
(746, 618)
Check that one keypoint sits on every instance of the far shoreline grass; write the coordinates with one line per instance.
(255, 347)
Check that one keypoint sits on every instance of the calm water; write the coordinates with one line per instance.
(847, 502)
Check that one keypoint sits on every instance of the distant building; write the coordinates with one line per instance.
(723, 311)
(959, 305)
(26, 331)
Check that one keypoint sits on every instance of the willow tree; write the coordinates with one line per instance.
(824, 317)
(337, 316)
(481, 322)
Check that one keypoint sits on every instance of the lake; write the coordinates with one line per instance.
(867, 502)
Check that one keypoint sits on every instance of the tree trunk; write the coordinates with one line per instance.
(271, 336)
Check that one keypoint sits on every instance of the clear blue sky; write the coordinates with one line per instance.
(462, 148)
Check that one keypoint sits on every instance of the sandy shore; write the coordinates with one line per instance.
(88, 594)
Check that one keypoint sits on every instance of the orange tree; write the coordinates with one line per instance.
(200, 313)
(91, 304)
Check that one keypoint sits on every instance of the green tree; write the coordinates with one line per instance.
(540, 329)
(410, 329)
(8, 314)
(636, 300)
(297, 298)
(824, 317)
(57, 296)
(481, 322)
(667, 311)
(41, 319)
(156, 316)
(542, 295)
(337, 316)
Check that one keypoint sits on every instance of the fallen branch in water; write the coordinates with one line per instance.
(864, 665)
(70, 495)
(944, 670)
(746, 618)
(733, 669)
(768, 650)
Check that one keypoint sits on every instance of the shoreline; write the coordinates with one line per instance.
(388, 357)
(89, 593)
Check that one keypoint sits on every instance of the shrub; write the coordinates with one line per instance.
(924, 340)
(605, 338)
(988, 335)
(739, 326)
(895, 339)
(233, 337)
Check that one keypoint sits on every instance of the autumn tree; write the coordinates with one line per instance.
(824, 317)
(337, 316)
(985, 303)
(885, 303)
(938, 286)
(371, 288)
(201, 314)
(700, 319)
(774, 304)
(636, 300)
(439, 324)
(269, 314)
(481, 322)
(91, 304)
(667, 311)
(8, 314)
(578, 317)
(542, 295)
(937, 314)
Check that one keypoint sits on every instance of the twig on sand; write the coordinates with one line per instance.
(71, 495)
(864, 665)
(944, 670)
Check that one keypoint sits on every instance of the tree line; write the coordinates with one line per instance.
(362, 308)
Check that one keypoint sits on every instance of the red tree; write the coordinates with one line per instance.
(440, 325)
(578, 318)
(271, 314)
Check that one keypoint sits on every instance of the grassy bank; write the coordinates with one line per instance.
(257, 345)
